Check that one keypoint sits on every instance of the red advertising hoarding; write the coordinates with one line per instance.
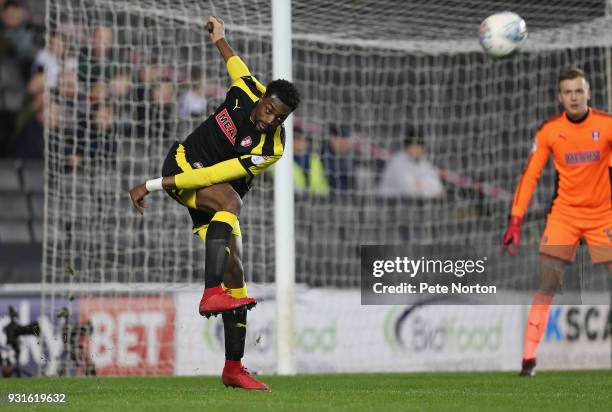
(131, 335)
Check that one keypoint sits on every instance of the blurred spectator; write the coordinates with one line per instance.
(338, 159)
(162, 109)
(409, 173)
(193, 102)
(15, 32)
(120, 88)
(163, 94)
(99, 92)
(149, 73)
(148, 76)
(96, 142)
(67, 93)
(33, 102)
(95, 62)
(121, 84)
(67, 86)
(16, 49)
(71, 111)
(26, 118)
(29, 141)
(50, 60)
(308, 170)
(102, 136)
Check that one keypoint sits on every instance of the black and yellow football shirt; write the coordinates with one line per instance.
(227, 146)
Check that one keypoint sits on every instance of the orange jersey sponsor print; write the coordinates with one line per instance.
(581, 153)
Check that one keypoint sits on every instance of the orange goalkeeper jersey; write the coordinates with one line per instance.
(581, 153)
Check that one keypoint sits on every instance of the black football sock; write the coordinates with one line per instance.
(234, 325)
(217, 247)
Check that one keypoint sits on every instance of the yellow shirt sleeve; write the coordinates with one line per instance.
(237, 68)
(226, 171)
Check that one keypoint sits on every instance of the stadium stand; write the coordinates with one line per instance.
(21, 215)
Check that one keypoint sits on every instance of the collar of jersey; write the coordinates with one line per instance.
(580, 122)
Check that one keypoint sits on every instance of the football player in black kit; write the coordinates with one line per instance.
(210, 172)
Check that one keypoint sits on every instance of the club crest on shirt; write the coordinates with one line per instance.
(246, 142)
(596, 135)
(197, 165)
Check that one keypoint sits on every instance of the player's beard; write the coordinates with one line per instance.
(261, 127)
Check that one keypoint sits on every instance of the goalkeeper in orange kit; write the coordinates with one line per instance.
(580, 140)
(209, 173)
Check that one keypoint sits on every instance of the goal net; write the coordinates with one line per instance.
(138, 75)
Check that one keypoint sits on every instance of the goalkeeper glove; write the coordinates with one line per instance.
(512, 237)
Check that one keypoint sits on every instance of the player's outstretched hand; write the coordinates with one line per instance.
(137, 194)
(218, 28)
(512, 237)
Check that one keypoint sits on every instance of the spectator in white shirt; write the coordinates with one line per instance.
(49, 60)
(193, 102)
(410, 174)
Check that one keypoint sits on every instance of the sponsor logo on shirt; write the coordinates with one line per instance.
(227, 125)
(246, 142)
(257, 160)
(575, 158)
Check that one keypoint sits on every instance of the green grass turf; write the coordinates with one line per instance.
(548, 391)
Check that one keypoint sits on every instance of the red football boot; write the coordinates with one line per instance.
(216, 300)
(236, 376)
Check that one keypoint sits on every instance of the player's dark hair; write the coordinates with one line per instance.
(571, 74)
(285, 91)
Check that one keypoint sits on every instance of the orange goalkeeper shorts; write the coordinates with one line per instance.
(562, 235)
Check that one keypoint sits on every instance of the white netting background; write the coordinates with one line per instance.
(377, 68)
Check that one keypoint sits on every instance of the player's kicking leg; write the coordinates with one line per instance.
(235, 324)
(551, 271)
(223, 200)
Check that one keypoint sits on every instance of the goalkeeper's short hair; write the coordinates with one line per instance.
(285, 91)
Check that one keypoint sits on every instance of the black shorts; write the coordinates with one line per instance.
(186, 198)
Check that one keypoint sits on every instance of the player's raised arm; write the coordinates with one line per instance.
(524, 191)
(235, 66)
(216, 30)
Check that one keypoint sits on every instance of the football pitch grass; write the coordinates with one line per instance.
(501, 391)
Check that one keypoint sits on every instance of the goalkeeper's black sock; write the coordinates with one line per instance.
(217, 247)
(234, 325)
